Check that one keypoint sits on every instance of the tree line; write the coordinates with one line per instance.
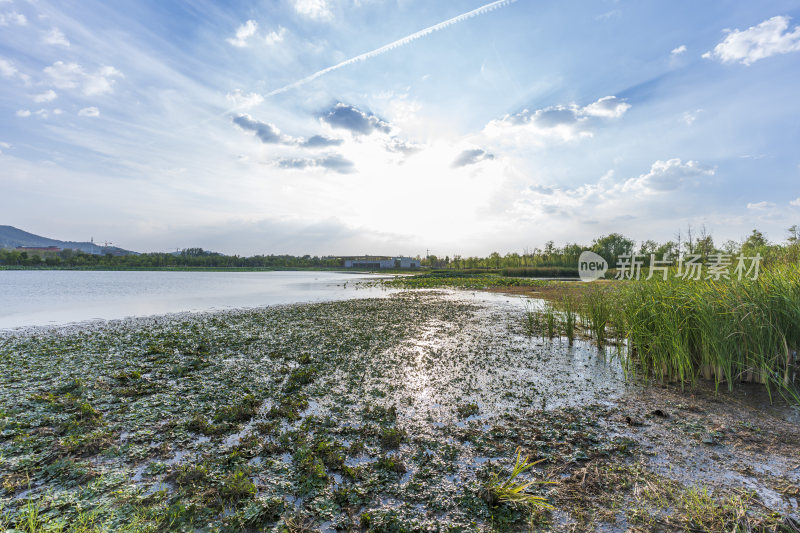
(690, 241)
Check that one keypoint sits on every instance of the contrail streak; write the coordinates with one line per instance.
(396, 44)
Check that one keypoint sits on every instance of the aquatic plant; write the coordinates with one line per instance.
(569, 313)
(512, 491)
(467, 410)
(597, 310)
(391, 438)
(237, 486)
(550, 320)
(532, 320)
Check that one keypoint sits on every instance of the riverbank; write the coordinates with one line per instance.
(372, 414)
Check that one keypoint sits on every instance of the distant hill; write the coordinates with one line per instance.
(11, 237)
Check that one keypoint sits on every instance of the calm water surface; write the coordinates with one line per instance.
(50, 297)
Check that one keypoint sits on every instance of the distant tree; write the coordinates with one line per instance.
(793, 233)
(549, 249)
(704, 246)
(705, 243)
(648, 247)
(610, 247)
(667, 250)
(731, 247)
(755, 241)
(193, 252)
(689, 244)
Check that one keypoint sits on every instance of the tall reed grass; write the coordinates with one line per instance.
(532, 320)
(550, 320)
(722, 330)
(597, 310)
(569, 316)
(725, 330)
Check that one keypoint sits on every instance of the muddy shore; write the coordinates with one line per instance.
(386, 414)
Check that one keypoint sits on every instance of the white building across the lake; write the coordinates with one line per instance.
(378, 262)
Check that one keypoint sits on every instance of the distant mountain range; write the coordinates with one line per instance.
(11, 237)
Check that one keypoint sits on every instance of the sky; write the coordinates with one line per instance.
(344, 127)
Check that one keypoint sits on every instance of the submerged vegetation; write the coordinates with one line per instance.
(413, 412)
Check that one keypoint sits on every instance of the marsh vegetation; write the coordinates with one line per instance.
(412, 412)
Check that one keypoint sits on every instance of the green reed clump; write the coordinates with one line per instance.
(569, 312)
(725, 330)
(514, 491)
(597, 311)
(550, 320)
(532, 320)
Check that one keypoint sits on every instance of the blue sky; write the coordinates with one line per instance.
(396, 126)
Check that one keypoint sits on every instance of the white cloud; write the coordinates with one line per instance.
(757, 42)
(795, 202)
(760, 206)
(678, 50)
(13, 18)
(23, 113)
(244, 101)
(55, 37)
(668, 175)
(562, 123)
(608, 14)
(72, 75)
(275, 37)
(7, 68)
(313, 9)
(101, 82)
(65, 75)
(47, 96)
(607, 106)
(89, 112)
(243, 33)
(688, 117)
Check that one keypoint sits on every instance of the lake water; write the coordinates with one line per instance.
(52, 297)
